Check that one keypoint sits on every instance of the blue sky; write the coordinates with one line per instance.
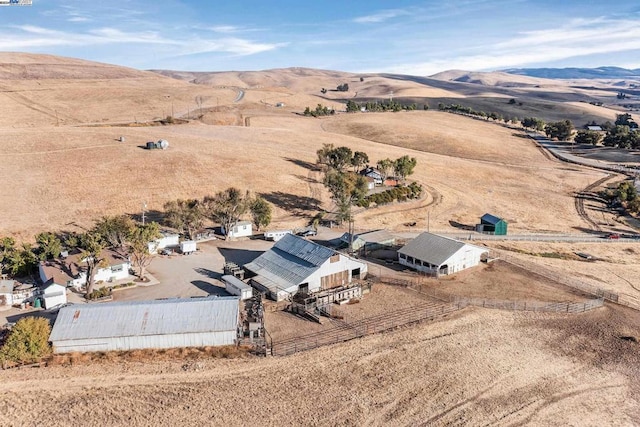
(401, 36)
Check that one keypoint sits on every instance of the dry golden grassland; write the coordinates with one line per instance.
(475, 367)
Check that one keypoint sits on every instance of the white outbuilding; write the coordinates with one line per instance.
(439, 255)
(275, 235)
(187, 322)
(240, 229)
(237, 287)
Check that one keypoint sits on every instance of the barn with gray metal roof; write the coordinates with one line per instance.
(434, 254)
(187, 322)
(295, 264)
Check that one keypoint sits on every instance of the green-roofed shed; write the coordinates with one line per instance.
(493, 225)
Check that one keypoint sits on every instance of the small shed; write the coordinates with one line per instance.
(237, 287)
(240, 229)
(53, 294)
(6, 292)
(492, 224)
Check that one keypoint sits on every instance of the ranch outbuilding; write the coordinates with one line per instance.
(491, 224)
(295, 264)
(187, 322)
(439, 255)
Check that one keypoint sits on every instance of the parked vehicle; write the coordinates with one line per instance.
(307, 233)
(615, 236)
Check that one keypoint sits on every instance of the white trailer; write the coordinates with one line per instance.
(276, 235)
(235, 286)
(188, 247)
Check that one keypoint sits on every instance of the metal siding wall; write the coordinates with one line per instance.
(152, 341)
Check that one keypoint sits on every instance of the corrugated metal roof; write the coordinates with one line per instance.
(490, 219)
(431, 248)
(140, 318)
(227, 278)
(289, 262)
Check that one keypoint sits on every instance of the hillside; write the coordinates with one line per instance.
(44, 90)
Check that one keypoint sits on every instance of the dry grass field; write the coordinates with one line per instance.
(65, 168)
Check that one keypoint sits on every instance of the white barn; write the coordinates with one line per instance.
(295, 264)
(434, 254)
(188, 322)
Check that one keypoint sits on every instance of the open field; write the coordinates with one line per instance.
(475, 367)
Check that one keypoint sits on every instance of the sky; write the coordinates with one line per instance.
(401, 36)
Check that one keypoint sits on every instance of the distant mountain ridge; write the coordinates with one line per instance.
(576, 73)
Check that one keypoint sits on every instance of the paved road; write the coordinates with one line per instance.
(239, 96)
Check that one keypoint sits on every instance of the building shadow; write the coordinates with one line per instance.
(211, 289)
(208, 273)
(239, 256)
(461, 226)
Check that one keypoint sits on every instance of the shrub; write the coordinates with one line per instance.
(28, 341)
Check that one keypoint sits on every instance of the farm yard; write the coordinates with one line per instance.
(452, 363)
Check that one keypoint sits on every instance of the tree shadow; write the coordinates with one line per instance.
(461, 226)
(149, 216)
(296, 205)
(239, 256)
(210, 288)
(302, 163)
(307, 179)
(589, 231)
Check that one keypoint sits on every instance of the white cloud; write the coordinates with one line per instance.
(578, 37)
(34, 37)
(225, 29)
(380, 16)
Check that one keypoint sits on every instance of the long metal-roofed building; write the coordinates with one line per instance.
(295, 264)
(187, 322)
(439, 255)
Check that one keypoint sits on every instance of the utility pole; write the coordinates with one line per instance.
(144, 208)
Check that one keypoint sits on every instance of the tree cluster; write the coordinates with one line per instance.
(383, 106)
(592, 137)
(401, 194)
(625, 195)
(462, 109)
(344, 87)
(533, 123)
(225, 207)
(562, 130)
(321, 110)
(401, 168)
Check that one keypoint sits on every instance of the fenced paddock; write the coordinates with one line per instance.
(517, 305)
(343, 331)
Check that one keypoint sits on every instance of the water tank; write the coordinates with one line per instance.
(151, 145)
(163, 143)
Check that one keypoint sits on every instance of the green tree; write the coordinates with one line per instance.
(626, 191)
(343, 87)
(561, 130)
(358, 160)
(624, 120)
(49, 246)
(28, 341)
(352, 106)
(260, 212)
(138, 242)
(622, 137)
(323, 154)
(114, 231)
(91, 246)
(7, 248)
(21, 261)
(346, 189)
(404, 166)
(385, 167)
(591, 137)
(340, 157)
(186, 216)
(533, 123)
(226, 207)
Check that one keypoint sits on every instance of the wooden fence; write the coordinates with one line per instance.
(343, 331)
(557, 307)
(588, 286)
